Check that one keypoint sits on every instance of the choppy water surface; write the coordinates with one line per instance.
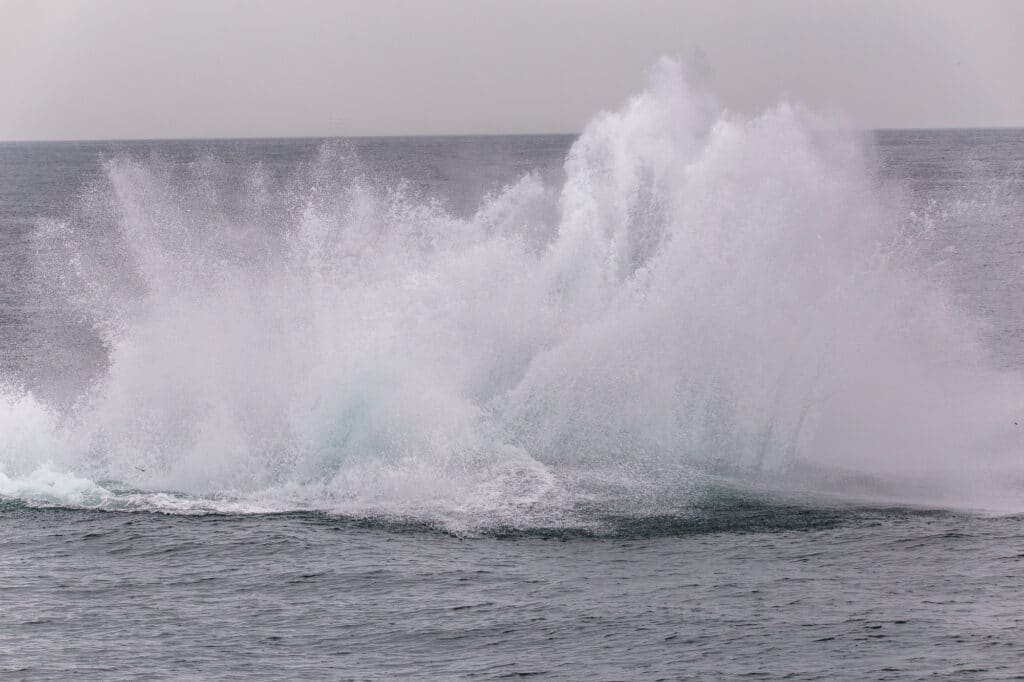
(809, 593)
(690, 395)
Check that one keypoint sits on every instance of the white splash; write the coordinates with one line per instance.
(706, 295)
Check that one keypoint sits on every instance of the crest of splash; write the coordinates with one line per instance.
(706, 297)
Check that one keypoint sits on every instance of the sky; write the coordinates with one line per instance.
(127, 69)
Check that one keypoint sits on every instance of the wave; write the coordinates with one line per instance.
(704, 297)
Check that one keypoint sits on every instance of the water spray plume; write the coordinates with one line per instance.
(707, 300)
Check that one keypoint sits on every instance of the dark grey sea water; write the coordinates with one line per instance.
(764, 592)
(118, 561)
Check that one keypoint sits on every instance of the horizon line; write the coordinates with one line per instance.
(245, 138)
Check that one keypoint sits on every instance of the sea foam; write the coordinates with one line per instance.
(706, 299)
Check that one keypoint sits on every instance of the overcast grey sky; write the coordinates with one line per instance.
(75, 69)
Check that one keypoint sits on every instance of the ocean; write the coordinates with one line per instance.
(690, 395)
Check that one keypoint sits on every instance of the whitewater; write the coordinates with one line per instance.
(700, 304)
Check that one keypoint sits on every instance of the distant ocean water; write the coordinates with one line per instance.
(688, 396)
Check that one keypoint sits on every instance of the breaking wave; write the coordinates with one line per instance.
(704, 300)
